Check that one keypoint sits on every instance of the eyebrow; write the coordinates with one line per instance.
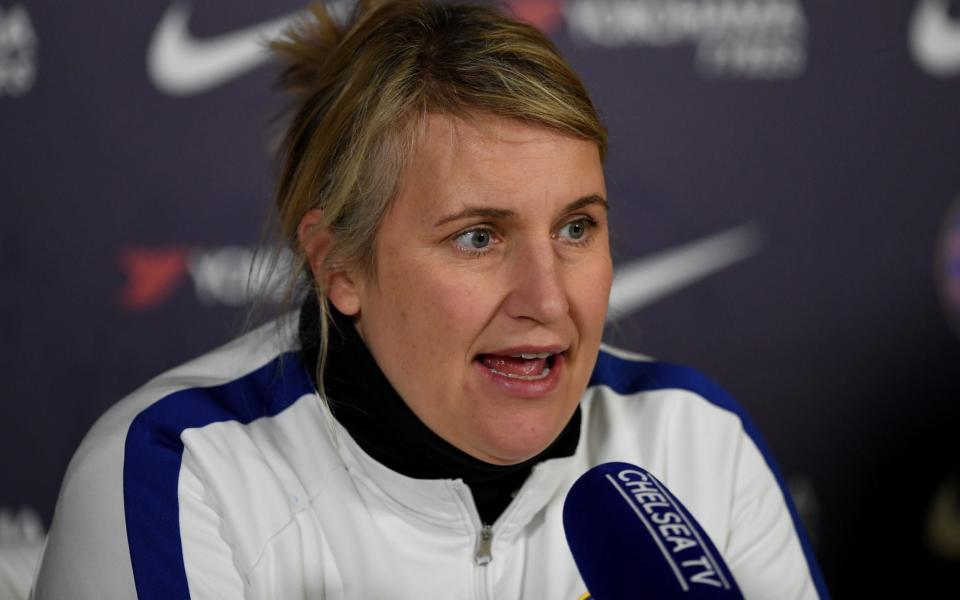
(505, 213)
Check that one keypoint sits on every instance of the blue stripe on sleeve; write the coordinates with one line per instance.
(152, 455)
(626, 376)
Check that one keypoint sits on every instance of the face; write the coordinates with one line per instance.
(492, 279)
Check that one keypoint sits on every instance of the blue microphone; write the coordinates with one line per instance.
(631, 538)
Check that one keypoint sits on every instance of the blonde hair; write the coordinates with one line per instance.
(362, 89)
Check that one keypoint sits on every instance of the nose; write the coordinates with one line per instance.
(537, 284)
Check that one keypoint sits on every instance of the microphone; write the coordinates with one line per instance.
(631, 538)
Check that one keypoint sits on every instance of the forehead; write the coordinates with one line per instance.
(496, 161)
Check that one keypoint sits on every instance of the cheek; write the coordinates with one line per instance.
(458, 305)
(436, 314)
(592, 293)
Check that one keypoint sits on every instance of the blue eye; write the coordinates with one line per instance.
(474, 239)
(575, 230)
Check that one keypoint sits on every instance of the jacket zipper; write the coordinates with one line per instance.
(483, 551)
(481, 559)
(483, 556)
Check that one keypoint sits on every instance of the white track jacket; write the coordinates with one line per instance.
(229, 478)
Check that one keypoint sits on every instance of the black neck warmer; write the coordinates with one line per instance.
(365, 403)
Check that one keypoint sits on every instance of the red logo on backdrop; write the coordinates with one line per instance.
(152, 275)
(219, 275)
(545, 15)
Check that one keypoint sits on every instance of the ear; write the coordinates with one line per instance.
(337, 281)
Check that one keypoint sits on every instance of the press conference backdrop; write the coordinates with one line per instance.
(784, 179)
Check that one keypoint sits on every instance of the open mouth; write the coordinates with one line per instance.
(522, 366)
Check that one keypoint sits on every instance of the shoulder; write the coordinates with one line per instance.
(126, 476)
(628, 387)
(670, 414)
(700, 416)
(255, 375)
(626, 373)
(694, 436)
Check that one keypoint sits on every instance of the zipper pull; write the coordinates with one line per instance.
(483, 557)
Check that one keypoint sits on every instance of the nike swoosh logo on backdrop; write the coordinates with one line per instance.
(935, 38)
(180, 65)
(645, 280)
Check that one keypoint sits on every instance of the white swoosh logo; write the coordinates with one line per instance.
(644, 281)
(935, 38)
(180, 65)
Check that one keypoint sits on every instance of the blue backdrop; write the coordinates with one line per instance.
(784, 176)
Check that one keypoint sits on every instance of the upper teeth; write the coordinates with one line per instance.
(531, 356)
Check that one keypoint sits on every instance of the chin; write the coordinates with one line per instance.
(516, 442)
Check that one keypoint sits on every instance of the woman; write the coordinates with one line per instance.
(413, 431)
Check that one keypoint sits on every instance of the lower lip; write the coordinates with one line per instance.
(521, 388)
